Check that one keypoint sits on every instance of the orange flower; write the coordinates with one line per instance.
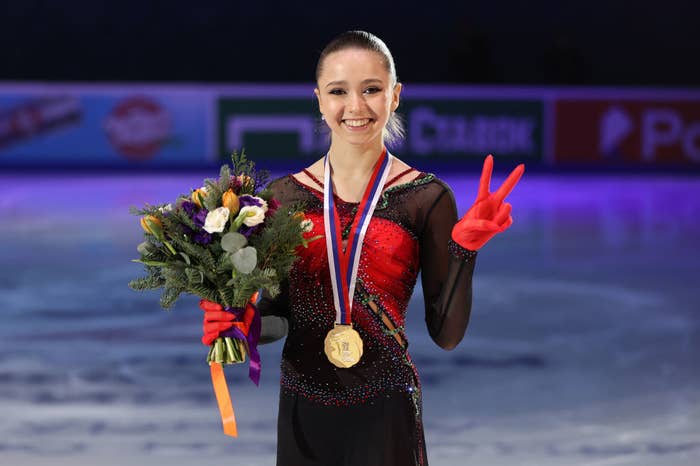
(152, 225)
(198, 195)
(230, 201)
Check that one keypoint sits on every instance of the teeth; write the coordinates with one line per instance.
(357, 122)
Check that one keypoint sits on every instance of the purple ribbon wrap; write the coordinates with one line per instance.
(254, 367)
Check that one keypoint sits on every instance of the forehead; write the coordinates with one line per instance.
(353, 63)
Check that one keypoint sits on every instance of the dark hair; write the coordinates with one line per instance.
(363, 40)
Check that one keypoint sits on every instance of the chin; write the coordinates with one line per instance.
(360, 139)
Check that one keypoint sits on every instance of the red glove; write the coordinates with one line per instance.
(489, 214)
(217, 321)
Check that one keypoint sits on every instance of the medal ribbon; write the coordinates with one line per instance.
(343, 265)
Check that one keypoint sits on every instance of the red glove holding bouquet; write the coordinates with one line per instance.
(488, 215)
(218, 322)
(242, 325)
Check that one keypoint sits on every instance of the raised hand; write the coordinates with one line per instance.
(488, 215)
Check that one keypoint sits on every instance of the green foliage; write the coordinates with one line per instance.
(178, 216)
(146, 283)
(213, 198)
(224, 178)
(180, 265)
(169, 296)
(253, 180)
(198, 254)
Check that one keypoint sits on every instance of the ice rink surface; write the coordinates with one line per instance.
(582, 349)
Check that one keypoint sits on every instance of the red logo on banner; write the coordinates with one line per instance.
(37, 117)
(138, 127)
(627, 131)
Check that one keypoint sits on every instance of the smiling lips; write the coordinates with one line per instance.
(357, 123)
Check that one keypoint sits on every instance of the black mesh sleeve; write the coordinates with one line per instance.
(275, 312)
(446, 273)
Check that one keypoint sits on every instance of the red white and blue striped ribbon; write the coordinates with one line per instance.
(343, 265)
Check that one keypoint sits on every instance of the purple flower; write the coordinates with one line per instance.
(189, 207)
(202, 237)
(248, 200)
(248, 231)
(200, 217)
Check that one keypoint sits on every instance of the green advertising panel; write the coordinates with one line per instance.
(272, 128)
(462, 129)
(445, 130)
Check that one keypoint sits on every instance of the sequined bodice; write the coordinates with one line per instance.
(387, 273)
(390, 261)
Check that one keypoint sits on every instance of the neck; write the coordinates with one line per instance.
(353, 162)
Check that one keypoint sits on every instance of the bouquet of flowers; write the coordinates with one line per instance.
(223, 242)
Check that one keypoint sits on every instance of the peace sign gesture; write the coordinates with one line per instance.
(489, 214)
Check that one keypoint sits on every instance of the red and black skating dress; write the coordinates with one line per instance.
(369, 414)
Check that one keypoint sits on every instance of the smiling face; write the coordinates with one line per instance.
(356, 95)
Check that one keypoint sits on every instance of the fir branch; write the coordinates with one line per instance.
(224, 178)
(198, 254)
(241, 164)
(194, 276)
(169, 296)
(177, 216)
(213, 198)
(204, 292)
(224, 263)
(146, 283)
(147, 209)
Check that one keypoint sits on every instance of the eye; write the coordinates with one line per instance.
(372, 90)
(336, 91)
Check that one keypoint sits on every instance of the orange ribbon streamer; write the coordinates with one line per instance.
(223, 398)
(218, 379)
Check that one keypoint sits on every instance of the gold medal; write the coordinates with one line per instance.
(343, 346)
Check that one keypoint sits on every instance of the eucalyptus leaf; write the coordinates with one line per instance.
(245, 259)
(144, 248)
(232, 242)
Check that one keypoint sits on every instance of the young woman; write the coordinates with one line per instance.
(350, 394)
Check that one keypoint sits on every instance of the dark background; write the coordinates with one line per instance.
(597, 42)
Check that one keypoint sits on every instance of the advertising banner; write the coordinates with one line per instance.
(198, 126)
(464, 129)
(642, 131)
(121, 127)
(454, 130)
(281, 128)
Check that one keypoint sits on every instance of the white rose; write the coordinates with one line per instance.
(307, 225)
(252, 215)
(216, 220)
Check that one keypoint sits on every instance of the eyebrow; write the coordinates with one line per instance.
(366, 81)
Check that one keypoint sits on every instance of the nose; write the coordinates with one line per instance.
(354, 102)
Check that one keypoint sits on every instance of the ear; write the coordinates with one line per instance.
(395, 96)
(318, 98)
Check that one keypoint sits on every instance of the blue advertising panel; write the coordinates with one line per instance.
(103, 127)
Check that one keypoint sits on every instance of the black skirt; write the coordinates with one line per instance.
(385, 431)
